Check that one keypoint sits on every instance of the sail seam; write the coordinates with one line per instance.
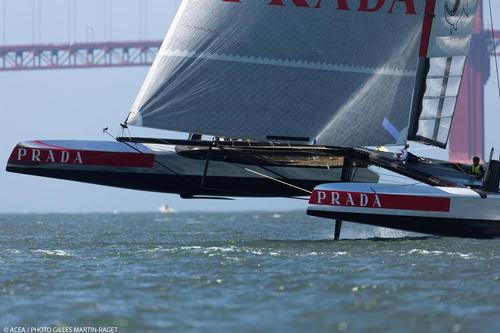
(289, 63)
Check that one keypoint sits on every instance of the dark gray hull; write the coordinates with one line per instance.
(178, 169)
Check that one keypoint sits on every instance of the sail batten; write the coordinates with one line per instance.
(334, 75)
(347, 68)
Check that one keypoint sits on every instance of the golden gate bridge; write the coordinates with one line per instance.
(80, 50)
(466, 138)
(78, 55)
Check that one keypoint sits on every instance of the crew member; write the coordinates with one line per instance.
(477, 169)
(402, 154)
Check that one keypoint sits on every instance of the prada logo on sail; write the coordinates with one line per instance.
(389, 6)
(48, 156)
(333, 198)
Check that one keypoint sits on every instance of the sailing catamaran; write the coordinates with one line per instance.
(306, 84)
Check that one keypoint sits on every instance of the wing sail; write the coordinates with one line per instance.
(441, 68)
(330, 72)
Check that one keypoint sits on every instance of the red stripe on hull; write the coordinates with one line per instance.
(383, 201)
(25, 155)
(44, 145)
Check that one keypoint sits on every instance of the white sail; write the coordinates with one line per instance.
(334, 72)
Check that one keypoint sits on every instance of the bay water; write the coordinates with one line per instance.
(241, 272)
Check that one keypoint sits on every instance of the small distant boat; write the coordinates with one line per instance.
(165, 209)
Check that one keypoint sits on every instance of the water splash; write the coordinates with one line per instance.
(57, 253)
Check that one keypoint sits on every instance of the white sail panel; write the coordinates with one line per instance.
(452, 28)
(331, 72)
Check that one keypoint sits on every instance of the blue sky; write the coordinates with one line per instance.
(77, 104)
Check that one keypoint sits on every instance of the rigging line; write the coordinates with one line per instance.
(140, 19)
(459, 167)
(33, 19)
(146, 20)
(75, 21)
(4, 22)
(69, 20)
(492, 29)
(104, 20)
(273, 163)
(277, 180)
(156, 160)
(110, 20)
(355, 173)
(262, 167)
(38, 35)
(236, 193)
(249, 170)
(267, 169)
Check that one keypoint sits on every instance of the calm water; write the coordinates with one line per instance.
(241, 272)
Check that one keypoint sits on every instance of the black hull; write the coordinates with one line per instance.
(184, 185)
(465, 228)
